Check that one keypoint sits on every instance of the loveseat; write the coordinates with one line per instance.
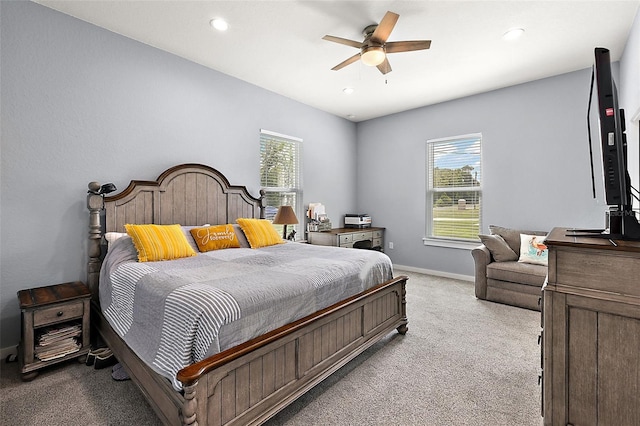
(511, 266)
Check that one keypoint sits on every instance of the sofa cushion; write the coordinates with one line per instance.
(523, 273)
(500, 250)
(512, 236)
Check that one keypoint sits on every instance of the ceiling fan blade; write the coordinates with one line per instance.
(406, 46)
(384, 28)
(385, 66)
(352, 43)
(346, 62)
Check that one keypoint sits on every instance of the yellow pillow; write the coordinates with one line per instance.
(259, 232)
(159, 242)
(215, 237)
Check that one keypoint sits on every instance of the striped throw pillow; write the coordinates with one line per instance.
(159, 242)
(259, 232)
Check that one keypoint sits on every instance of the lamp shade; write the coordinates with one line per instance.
(285, 216)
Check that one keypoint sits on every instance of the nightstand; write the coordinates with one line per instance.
(55, 325)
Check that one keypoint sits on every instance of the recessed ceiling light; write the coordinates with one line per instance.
(347, 90)
(513, 34)
(219, 24)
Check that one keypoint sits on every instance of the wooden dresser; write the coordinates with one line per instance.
(591, 332)
(347, 237)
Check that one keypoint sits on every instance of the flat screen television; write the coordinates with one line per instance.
(623, 223)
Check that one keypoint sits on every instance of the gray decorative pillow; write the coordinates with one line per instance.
(512, 236)
(500, 250)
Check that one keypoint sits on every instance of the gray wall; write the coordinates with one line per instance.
(535, 165)
(535, 160)
(80, 103)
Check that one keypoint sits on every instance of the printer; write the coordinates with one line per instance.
(357, 221)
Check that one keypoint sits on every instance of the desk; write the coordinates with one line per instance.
(346, 237)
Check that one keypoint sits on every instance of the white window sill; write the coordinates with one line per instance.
(462, 245)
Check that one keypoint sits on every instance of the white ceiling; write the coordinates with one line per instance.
(278, 45)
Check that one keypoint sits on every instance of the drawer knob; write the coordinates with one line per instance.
(60, 313)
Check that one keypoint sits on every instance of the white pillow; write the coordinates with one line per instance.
(112, 236)
(533, 249)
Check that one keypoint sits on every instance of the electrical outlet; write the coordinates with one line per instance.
(390, 245)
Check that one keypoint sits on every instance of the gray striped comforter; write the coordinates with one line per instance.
(177, 312)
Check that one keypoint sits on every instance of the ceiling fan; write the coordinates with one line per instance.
(374, 48)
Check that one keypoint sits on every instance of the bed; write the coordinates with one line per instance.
(244, 382)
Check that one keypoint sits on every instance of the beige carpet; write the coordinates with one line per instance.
(463, 362)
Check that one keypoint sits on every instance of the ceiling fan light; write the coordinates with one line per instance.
(372, 56)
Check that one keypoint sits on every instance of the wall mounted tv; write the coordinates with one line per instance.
(623, 223)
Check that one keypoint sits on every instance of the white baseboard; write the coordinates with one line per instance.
(5, 352)
(433, 272)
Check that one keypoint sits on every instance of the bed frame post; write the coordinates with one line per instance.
(190, 407)
(403, 328)
(95, 204)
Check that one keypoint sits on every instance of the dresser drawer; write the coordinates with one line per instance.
(359, 236)
(347, 245)
(345, 238)
(377, 242)
(58, 313)
(377, 234)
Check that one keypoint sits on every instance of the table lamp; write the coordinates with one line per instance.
(285, 216)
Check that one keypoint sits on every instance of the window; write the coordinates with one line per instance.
(454, 190)
(281, 175)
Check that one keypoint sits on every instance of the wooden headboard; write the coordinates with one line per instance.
(188, 194)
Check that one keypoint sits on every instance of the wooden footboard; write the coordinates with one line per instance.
(248, 384)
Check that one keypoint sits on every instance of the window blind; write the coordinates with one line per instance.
(281, 173)
(454, 195)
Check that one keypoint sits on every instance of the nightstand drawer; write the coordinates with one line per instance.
(58, 313)
(345, 238)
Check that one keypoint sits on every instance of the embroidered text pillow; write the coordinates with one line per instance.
(215, 237)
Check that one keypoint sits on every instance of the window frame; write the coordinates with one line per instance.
(297, 190)
(430, 191)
